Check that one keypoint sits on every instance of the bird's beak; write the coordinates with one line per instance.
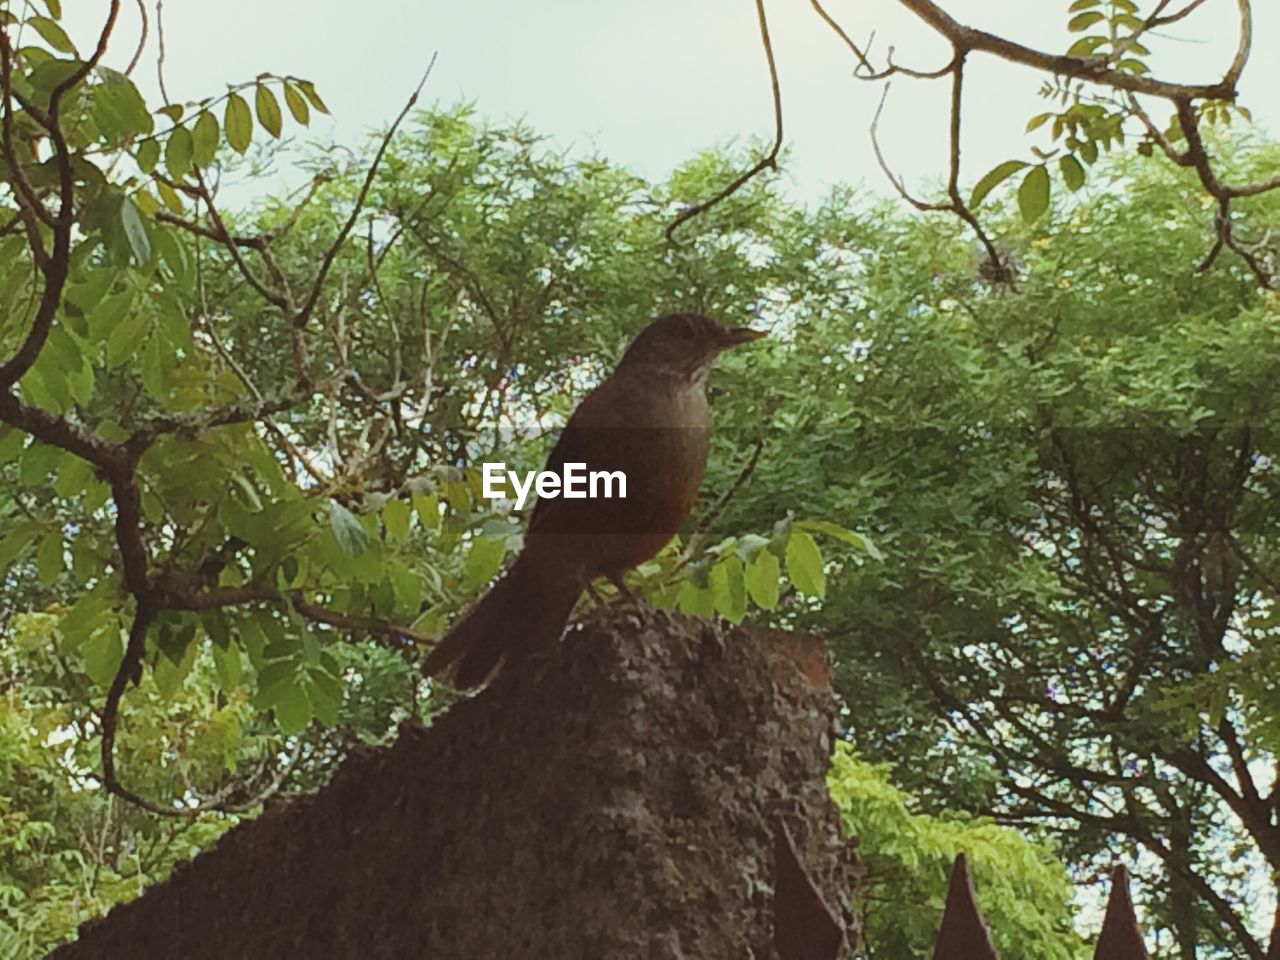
(734, 336)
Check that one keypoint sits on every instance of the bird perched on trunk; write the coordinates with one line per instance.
(649, 420)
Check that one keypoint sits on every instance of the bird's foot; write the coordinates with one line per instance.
(643, 609)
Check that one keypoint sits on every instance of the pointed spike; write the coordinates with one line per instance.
(964, 934)
(1120, 938)
(805, 928)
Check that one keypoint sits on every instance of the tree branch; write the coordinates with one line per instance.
(768, 162)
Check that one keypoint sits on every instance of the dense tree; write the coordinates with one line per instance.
(1072, 482)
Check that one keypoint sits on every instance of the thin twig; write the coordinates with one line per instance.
(769, 161)
(301, 317)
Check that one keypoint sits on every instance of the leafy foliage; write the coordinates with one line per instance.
(1022, 890)
(1071, 483)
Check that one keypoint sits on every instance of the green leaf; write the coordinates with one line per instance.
(1038, 121)
(148, 154)
(748, 545)
(427, 507)
(347, 530)
(1083, 21)
(170, 197)
(1217, 704)
(168, 672)
(135, 231)
(237, 121)
(53, 34)
(309, 90)
(993, 178)
(49, 559)
(171, 110)
(119, 98)
(325, 694)
(1033, 193)
(157, 367)
(126, 338)
(103, 652)
(228, 665)
(1072, 172)
(292, 708)
(297, 104)
(1086, 47)
(268, 110)
(73, 478)
(204, 139)
(762, 576)
(695, 601)
(729, 589)
(484, 560)
(843, 534)
(396, 514)
(178, 152)
(13, 543)
(804, 564)
(274, 676)
(407, 588)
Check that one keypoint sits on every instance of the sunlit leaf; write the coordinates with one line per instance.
(237, 121)
(1072, 172)
(52, 33)
(396, 514)
(178, 152)
(762, 576)
(1033, 193)
(297, 104)
(309, 90)
(204, 139)
(483, 561)
(268, 110)
(729, 589)
(993, 178)
(804, 564)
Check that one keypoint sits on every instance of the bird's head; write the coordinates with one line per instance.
(684, 344)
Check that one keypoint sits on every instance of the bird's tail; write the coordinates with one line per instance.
(522, 612)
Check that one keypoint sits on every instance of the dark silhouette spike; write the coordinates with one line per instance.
(964, 934)
(1120, 938)
(805, 928)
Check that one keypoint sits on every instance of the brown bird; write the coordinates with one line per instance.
(649, 420)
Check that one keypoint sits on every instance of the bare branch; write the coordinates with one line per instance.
(967, 39)
(53, 264)
(300, 318)
(1156, 21)
(769, 161)
(142, 39)
(863, 63)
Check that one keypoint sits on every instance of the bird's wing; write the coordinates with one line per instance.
(573, 446)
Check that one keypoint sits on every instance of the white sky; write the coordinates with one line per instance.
(649, 84)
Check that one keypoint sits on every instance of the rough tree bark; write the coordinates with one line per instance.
(626, 793)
